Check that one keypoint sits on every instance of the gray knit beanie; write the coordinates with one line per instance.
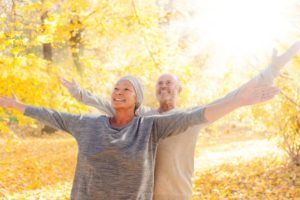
(138, 88)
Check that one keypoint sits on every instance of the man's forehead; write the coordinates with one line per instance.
(167, 77)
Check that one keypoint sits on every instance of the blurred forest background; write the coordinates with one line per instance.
(212, 46)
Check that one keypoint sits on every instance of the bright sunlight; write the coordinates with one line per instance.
(237, 29)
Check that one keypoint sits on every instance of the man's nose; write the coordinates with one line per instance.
(163, 85)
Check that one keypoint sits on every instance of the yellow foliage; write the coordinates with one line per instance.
(35, 163)
(261, 178)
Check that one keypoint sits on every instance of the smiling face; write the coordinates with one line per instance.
(167, 88)
(123, 95)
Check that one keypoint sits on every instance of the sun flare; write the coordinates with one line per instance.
(241, 28)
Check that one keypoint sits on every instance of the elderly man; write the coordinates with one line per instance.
(175, 155)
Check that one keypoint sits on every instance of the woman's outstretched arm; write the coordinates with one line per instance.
(257, 90)
(172, 124)
(262, 80)
(60, 120)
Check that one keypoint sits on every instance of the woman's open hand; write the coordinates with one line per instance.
(252, 93)
(13, 102)
(280, 61)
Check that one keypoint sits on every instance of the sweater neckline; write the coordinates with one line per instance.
(119, 129)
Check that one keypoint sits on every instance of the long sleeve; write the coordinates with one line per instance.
(63, 121)
(142, 111)
(175, 123)
(92, 100)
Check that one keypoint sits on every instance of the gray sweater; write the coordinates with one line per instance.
(114, 163)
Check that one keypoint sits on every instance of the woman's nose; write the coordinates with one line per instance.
(119, 92)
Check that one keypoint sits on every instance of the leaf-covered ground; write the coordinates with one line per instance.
(37, 168)
(43, 168)
(250, 169)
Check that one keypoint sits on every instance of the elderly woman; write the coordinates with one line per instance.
(116, 154)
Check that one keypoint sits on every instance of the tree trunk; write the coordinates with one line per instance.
(47, 47)
(76, 42)
(47, 53)
(13, 10)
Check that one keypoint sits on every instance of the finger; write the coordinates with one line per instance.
(262, 87)
(269, 96)
(65, 82)
(270, 92)
(261, 92)
(265, 88)
(290, 53)
(3, 101)
(62, 79)
(274, 53)
(3, 97)
(13, 96)
(294, 49)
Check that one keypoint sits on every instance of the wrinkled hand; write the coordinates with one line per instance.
(252, 93)
(6, 102)
(67, 84)
(278, 62)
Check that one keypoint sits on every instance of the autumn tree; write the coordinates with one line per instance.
(94, 42)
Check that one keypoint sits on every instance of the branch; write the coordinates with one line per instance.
(140, 23)
(290, 99)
